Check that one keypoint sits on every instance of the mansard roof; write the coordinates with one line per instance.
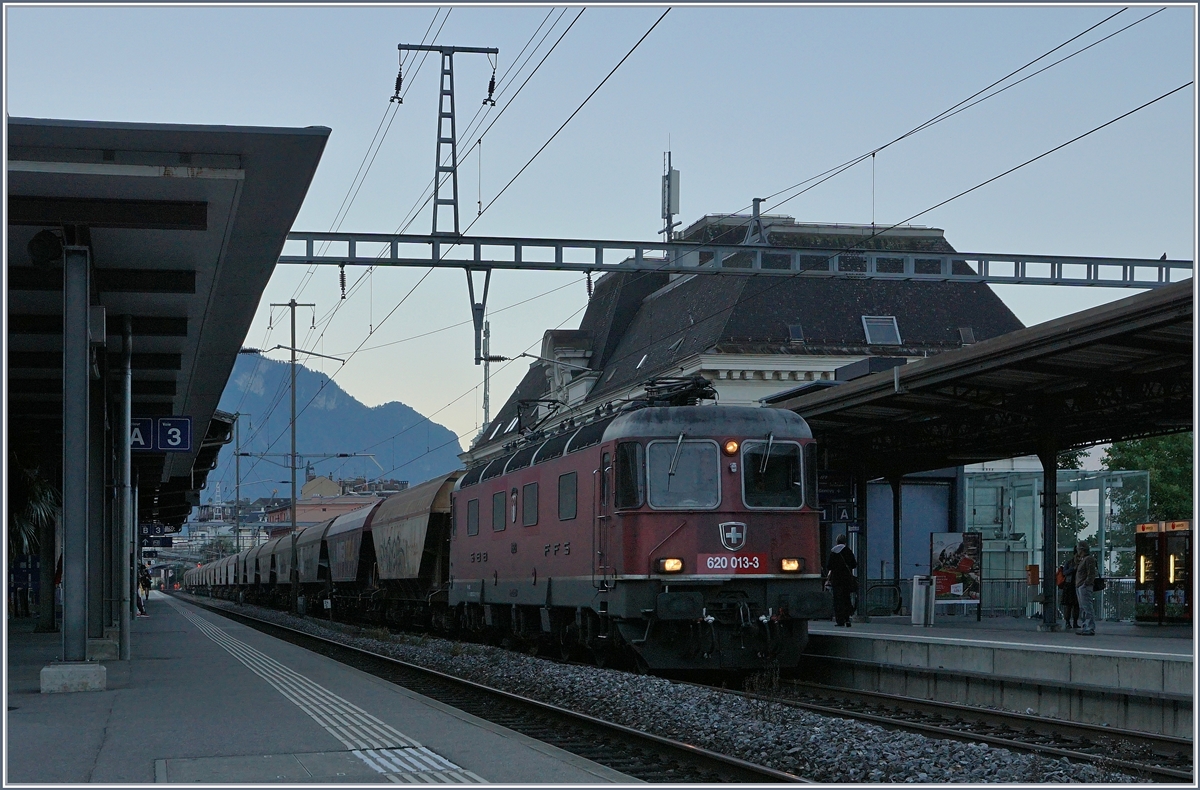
(645, 326)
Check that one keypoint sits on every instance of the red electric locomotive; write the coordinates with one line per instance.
(685, 537)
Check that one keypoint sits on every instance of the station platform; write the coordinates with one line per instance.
(1127, 675)
(209, 701)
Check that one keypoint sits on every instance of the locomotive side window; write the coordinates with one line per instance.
(631, 487)
(567, 499)
(529, 505)
(684, 474)
(771, 474)
(473, 517)
(498, 511)
(810, 474)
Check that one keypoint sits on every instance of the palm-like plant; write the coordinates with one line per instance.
(33, 504)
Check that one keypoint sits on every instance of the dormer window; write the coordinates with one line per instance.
(881, 330)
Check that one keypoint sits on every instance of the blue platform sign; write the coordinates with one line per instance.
(174, 434)
(141, 433)
(161, 434)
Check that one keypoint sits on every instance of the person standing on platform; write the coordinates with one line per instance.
(841, 579)
(1086, 572)
(1070, 599)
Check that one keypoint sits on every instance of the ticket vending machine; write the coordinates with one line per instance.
(1162, 573)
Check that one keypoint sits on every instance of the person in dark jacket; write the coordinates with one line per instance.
(840, 567)
(1070, 599)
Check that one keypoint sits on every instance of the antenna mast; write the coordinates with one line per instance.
(670, 198)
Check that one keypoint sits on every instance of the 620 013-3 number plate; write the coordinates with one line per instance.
(731, 563)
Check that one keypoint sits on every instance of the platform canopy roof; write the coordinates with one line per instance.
(1115, 372)
(184, 224)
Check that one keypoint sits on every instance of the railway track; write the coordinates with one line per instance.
(1145, 755)
(641, 755)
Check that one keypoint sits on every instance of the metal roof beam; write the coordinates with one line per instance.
(108, 213)
(590, 255)
(175, 281)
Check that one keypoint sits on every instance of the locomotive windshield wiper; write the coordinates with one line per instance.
(674, 459)
(762, 469)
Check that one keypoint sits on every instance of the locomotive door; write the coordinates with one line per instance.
(601, 522)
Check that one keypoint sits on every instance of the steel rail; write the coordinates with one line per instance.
(738, 770)
(1161, 773)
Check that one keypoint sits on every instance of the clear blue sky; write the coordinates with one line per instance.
(752, 99)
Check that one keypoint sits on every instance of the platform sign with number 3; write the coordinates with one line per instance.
(173, 434)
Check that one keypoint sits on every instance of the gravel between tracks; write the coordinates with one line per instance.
(811, 745)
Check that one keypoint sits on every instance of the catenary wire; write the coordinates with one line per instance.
(858, 245)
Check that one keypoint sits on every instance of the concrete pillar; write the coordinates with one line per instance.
(75, 672)
(76, 434)
(862, 614)
(111, 516)
(123, 528)
(1048, 455)
(97, 477)
(897, 501)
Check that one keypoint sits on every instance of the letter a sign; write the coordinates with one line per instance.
(141, 433)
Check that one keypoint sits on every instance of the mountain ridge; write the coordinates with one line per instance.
(405, 444)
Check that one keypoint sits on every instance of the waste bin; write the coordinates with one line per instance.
(923, 598)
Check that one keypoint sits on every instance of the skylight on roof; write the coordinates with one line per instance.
(796, 333)
(676, 344)
(642, 361)
(495, 431)
(967, 335)
(881, 330)
(512, 424)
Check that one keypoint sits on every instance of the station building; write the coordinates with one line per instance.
(759, 339)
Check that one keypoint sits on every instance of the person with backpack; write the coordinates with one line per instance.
(840, 568)
(1086, 573)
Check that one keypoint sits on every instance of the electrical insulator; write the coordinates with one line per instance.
(589, 286)
(342, 276)
(399, 82)
(491, 90)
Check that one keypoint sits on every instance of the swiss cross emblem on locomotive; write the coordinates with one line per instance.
(733, 535)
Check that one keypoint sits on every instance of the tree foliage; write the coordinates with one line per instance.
(1168, 459)
(1071, 459)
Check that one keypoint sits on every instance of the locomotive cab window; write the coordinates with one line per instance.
(630, 475)
(498, 503)
(567, 496)
(473, 517)
(772, 474)
(684, 474)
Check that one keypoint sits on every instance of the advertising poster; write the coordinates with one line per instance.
(956, 563)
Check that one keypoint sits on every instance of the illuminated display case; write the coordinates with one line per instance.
(1163, 572)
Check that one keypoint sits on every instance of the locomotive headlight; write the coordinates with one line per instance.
(789, 565)
(670, 565)
(730, 447)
